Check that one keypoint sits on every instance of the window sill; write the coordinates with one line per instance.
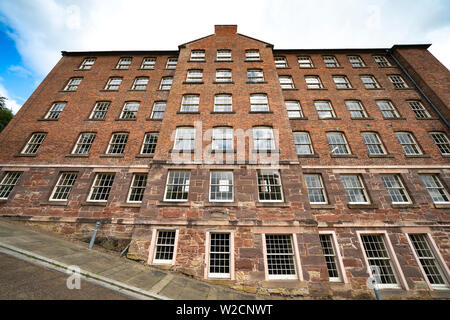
(145, 69)
(256, 82)
(335, 118)
(362, 206)
(112, 155)
(121, 69)
(417, 156)
(346, 89)
(94, 119)
(253, 61)
(93, 204)
(405, 206)
(399, 118)
(163, 90)
(70, 155)
(308, 155)
(19, 155)
(104, 90)
(137, 90)
(343, 156)
(381, 156)
(223, 82)
(272, 205)
(404, 88)
(222, 151)
(78, 69)
(316, 88)
(185, 112)
(367, 118)
(266, 151)
(260, 112)
(322, 206)
(43, 119)
(130, 205)
(121, 119)
(151, 119)
(3, 201)
(283, 68)
(293, 89)
(223, 60)
(144, 155)
(307, 68)
(334, 67)
(427, 118)
(442, 205)
(181, 151)
(194, 61)
(300, 118)
(375, 89)
(54, 203)
(192, 82)
(223, 112)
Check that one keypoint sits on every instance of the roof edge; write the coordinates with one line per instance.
(424, 46)
(120, 52)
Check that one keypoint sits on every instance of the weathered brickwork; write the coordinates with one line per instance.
(245, 220)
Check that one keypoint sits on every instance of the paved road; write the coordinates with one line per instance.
(21, 280)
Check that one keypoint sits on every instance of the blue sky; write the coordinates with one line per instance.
(34, 32)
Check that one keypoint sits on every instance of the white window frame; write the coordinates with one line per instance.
(40, 136)
(361, 109)
(154, 244)
(338, 257)
(132, 186)
(304, 133)
(219, 135)
(96, 178)
(280, 62)
(313, 82)
(382, 61)
(9, 180)
(321, 187)
(360, 187)
(165, 83)
(144, 143)
(58, 185)
(255, 75)
(379, 143)
(148, 63)
(128, 113)
(140, 82)
(330, 110)
(220, 56)
(87, 64)
(439, 186)
(224, 76)
(252, 55)
(290, 108)
(271, 138)
(399, 181)
(184, 186)
(124, 63)
(197, 55)
(372, 84)
(397, 81)
(100, 104)
(335, 63)
(413, 143)
(264, 172)
(113, 137)
(345, 143)
(419, 109)
(220, 185)
(55, 110)
(227, 105)
(444, 141)
(110, 85)
(171, 63)
(158, 104)
(305, 62)
(345, 82)
(81, 141)
(207, 273)
(190, 103)
(286, 82)
(180, 138)
(356, 61)
(194, 75)
(387, 106)
(72, 84)
(256, 105)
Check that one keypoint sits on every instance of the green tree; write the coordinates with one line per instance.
(5, 114)
(2, 103)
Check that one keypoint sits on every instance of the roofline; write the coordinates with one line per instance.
(111, 53)
(397, 46)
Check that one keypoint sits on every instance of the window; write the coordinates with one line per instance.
(428, 261)
(370, 82)
(387, 109)
(223, 55)
(280, 62)
(342, 82)
(190, 103)
(55, 110)
(34, 143)
(255, 75)
(84, 143)
(198, 55)
(409, 144)
(8, 182)
(338, 143)
(223, 103)
(63, 186)
(87, 64)
(184, 138)
(166, 83)
(259, 103)
(313, 82)
(124, 63)
(158, 110)
(269, 186)
(435, 188)
(150, 141)
(356, 109)
(373, 143)
(99, 111)
(117, 143)
(140, 83)
(113, 84)
(165, 247)
(315, 188)
(302, 143)
(130, 110)
(419, 110)
(395, 188)
(329, 252)
(101, 187)
(324, 109)
(252, 55)
(263, 138)
(148, 63)
(221, 186)
(171, 63)
(354, 189)
(398, 82)
(219, 255)
(177, 187)
(280, 256)
(442, 142)
(223, 75)
(382, 61)
(137, 187)
(194, 76)
(73, 84)
(305, 62)
(222, 138)
(293, 109)
(379, 259)
(286, 82)
(330, 61)
(356, 61)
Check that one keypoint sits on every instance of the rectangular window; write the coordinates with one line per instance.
(63, 186)
(148, 63)
(130, 110)
(303, 143)
(223, 103)
(382, 61)
(259, 103)
(158, 110)
(419, 110)
(34, 143)
(222, 139)
(379, 260)
(198, 55)
(387, 109)
(177, 187)
(137, 187)
(55, 110)
(223, 75)
(190, 103)
(286, 82)
(329, 252)
(150, 141)
(428, 261)
(171, 63)
(395, 189)
(280, 257)
(194, 76)
(140, 83)
(223, 55)
(315, 188)
(113, 84)
(408, 143)
(252, 55)
(294, 109)
(356, 61)
(219, 255)
(324, 109)
(166, 83)
(305, 62)
(354, 189)
(313, 82)
(255, 75)
(442, 142)
(370, 82)
(101, 187)
(165, 247)
(84, 143)
(280, 62)
(8, 182)
(330, 61)
(342, 82)
(73, 84)
(87, 64)
(99, 111)
(117, 143)
(435, 188)
(269, 186)
(373, 143)
(398, 82)
(184, 139)
(263, 138)
(124, 63)
(338, 143)
(221, 186)
(356, 109)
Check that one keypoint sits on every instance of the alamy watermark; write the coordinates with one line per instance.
(74, 280)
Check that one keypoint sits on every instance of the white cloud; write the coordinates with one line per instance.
(20, 71)
(10, 103)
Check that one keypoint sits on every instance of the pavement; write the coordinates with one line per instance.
(104, 269)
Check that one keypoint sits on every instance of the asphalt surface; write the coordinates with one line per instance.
(21, 280)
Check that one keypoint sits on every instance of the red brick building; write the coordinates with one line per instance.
(300, 169)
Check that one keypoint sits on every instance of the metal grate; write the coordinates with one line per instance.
(8, 182)
(219, 254)
(102, 186)
(280, 256)
(64, 186)
(165, 246)
(137, 188)
(177, 188)
(330, 256)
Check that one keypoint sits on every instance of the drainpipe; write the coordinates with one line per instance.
(97, 225)
(389, 52)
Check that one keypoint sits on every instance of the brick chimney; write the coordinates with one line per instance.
(225, 29)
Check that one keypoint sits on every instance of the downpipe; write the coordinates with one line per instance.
(97, 226)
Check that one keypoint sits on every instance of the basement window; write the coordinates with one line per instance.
(219, 255)
(280, 257)
(165, 247)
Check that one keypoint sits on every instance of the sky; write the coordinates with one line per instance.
(34, 32)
